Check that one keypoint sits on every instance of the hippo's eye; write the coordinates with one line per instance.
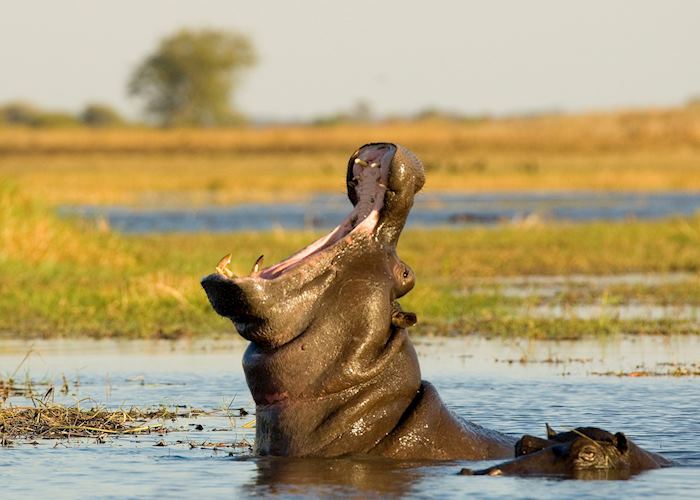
(587, 454)
(405, 273)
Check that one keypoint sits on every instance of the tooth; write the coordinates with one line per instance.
(225, 260)
(361, 162)
(374, 164)
(258, 264)
(222, 267)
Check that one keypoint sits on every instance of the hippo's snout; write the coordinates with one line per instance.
(220, 292)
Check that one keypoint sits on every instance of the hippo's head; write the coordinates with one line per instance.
(329, 363)
(273, 305)
(581, 453)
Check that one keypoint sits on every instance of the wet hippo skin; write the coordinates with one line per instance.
(330, 365)
(582, 453)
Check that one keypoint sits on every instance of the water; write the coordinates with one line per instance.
(455, 210)
(625, 312)
(547, 292)
(510, 385)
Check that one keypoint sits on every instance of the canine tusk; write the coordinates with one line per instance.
(258, 264)
(222, 266)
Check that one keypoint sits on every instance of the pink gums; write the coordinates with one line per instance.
(370, 189)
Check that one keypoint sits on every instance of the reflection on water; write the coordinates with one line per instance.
(515, 397)
(359, 476)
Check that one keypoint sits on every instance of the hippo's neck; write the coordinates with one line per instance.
(332, 411)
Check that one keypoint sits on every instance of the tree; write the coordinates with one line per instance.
(190, 77)
(18, 113)
(26, 115)
(100, 115)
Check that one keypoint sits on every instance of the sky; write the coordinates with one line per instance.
(319, 57)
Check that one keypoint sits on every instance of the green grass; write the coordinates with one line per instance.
(66, 278)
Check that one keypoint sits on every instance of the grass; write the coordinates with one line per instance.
(60, 278)
(625, 150)
(67, 278)
(218, 178)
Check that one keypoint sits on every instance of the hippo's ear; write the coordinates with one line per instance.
(621, 442)
(402, 319)
(551, 433)
(529, 444)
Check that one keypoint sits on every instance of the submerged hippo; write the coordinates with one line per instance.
(330, 365)
(582, 453)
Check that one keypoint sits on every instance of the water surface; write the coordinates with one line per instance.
(511, 385)
(431, 209)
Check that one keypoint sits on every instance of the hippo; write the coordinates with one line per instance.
(330, 365)
(582, 453)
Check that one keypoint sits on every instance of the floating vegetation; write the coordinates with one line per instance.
(31, 389)
(661, 370)
(524, 360)
(56, 421)
(211, 445)
(39, 417)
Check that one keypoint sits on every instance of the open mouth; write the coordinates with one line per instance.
(367, 184)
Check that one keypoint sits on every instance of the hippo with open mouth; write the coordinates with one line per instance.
(582, 453)
(330, 365)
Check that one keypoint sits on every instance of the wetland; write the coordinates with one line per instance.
(557, 263)
(200, 441)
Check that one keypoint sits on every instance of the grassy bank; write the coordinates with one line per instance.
(66, 278)
(632, 150)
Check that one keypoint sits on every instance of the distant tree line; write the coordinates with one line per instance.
(188, 80)
(96, 115)
(23, 114)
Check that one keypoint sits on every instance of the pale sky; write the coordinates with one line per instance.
(317, 57)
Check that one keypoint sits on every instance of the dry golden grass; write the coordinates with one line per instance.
(595, 132)
(632, 150)
(53, 421)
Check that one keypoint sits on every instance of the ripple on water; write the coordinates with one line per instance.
(659, 413)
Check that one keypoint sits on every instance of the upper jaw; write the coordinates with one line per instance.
(368, 177)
